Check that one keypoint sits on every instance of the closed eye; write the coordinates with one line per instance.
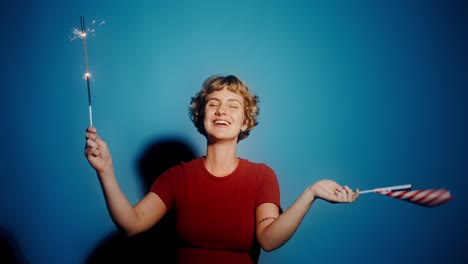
(213, 102)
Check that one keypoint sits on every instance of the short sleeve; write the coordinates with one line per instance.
(268, 187)
(163, 187)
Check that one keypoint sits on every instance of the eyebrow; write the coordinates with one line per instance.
(229, 100)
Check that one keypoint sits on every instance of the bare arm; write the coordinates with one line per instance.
(131, 219)
(273, 229)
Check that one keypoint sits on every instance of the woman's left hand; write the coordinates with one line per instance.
(333, 192)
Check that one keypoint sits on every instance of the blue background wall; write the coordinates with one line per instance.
(368, 93)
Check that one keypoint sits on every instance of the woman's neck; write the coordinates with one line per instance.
(221, 159)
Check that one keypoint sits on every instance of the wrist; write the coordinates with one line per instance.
(309, 194)
(105, 172)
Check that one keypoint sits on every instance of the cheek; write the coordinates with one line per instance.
(206, 113)
(244, 120)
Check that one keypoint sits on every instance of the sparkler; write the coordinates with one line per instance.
(82, 34)
(87, 74)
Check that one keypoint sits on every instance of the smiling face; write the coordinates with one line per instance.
(224, 89)
(224, 115)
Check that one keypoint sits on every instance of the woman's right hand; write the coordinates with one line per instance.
(97, 152)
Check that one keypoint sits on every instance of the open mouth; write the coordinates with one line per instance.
(221, 123)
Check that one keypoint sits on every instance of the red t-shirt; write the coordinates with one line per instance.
(216, 215)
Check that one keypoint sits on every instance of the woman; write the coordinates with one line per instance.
(226, 207)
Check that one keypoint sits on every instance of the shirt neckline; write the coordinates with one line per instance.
(232, 175)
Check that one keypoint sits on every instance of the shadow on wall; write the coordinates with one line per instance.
(9, 250)
(157, 245)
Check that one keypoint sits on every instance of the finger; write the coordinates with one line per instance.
(337, 189)
(334, 185)
(344, 195)
(349, 193)
(100, 142)
(89, 150)
(96, 152)
(90, 143)
(339, 196)
(91, 129)
(88, 153)
(90, 135)
(356, 195)
(92, 153)
(95, 137)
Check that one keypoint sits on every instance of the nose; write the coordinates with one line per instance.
(221, 110)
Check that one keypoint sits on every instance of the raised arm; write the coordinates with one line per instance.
(131, 219)
(273, 229)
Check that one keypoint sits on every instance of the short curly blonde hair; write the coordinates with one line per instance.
(233, 84)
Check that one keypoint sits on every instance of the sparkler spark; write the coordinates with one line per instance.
(83, 33)
(87, 76)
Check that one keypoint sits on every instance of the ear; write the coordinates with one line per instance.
(244, 126)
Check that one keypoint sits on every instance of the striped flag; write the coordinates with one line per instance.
(428, 198)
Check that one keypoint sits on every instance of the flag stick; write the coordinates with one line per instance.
(403, 187)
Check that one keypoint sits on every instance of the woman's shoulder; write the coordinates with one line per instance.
(251, 165)
(186, 165)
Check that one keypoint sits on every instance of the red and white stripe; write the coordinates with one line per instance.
(429, 198)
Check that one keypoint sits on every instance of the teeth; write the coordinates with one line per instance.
(221, 122)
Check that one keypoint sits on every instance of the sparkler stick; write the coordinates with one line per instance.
(87, 74)
(403, 187)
